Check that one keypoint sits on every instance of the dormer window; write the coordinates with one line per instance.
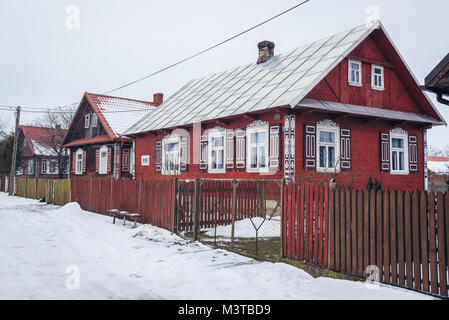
(355, 73)
(377, 77)
(86, 121)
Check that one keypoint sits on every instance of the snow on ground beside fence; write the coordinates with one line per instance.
(246, 228)
(45, 248)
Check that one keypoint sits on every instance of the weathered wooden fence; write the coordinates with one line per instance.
(154, 200)
(400, 236)
(3, 182)
(54, 191)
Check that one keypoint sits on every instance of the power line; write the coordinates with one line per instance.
(190, 57)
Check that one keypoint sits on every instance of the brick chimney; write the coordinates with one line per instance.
(158, 98)
(266, 51)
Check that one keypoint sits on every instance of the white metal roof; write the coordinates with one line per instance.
(285, 79)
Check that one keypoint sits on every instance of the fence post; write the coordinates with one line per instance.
(282, 217)
(174, 205)
(234, 199)
(195, 210)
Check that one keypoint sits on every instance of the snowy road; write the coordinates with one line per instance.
(39, 243)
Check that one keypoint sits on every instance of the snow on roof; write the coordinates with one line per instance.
(121, 113)
(285, 79)
(39, 140)
(438, 164)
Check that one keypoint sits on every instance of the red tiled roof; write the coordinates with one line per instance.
(41, 136)
(438, 159)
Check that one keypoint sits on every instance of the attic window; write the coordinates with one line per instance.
(355, 73)
(86, 121)
(377, 77)
(94, 120)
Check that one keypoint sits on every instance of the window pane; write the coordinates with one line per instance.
(326, 136)
(253, 137)
(395, 160)
(262, 159)
(331, 154)
(220, 159)
(398, 143)
(218, 141)
(253, 157)
(322, 157)
(261, 137)
(401, 161)
(214, 159)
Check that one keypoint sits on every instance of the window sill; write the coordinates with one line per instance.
(328, 170)
(355, 84)
(264, 170)
(216, 171)
(378, 88)
(400, 173)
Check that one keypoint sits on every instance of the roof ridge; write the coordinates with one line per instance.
(115, 97)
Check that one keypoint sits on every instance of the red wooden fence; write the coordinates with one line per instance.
(403, 234)
(152, 199)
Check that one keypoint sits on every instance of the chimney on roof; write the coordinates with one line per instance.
(266, 51)
(158, 98)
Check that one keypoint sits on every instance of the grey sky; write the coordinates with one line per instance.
(42, 63)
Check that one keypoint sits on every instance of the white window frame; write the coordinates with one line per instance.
(145, 160)
(46, 166)
(79, 162)
(103, 161)
(373, 77)
(328, 126)
(56, 167)
(165, 142)
(399, 134)
(350, 81)
(257, 127)
(94, 120)
(86, 121)
(216, 133)
(30, 167)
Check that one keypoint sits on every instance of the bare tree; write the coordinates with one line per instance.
(57, 121)
(3, 129)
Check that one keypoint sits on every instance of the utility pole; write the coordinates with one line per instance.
(14, 154)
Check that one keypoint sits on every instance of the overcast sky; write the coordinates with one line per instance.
(44, 62)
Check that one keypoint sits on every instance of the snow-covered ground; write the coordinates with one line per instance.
(43, 250)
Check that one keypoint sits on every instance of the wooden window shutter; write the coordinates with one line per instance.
(97, 160)
(240, 149)
(384, 151)
(413, 153)
(84, 161)
(158, 158)
(309, 146)
(74, 162)
(109, 159)
(125, 160)
(203, 152)
(275, 148)
(345, 149)
(230, 149)
(184, 156)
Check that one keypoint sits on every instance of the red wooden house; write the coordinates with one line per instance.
(346, 107)
(95, 139)
(41, 155)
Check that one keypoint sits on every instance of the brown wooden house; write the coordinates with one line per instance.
(41, 155)
(94, 137)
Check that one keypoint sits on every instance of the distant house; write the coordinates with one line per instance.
(95, 139)
(40, 158)
(345, 106)
(438, 173)
(438, 81)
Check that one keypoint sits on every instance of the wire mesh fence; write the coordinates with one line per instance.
(238, 215)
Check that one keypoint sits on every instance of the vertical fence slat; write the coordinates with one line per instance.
(441, 245)
(331, 230)
(423, 213)
(416, 242)
(386, 234)
(432, 245)
(393, 237)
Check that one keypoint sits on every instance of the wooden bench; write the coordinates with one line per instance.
(125, 214)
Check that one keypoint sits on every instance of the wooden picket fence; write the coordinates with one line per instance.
(402, 235)
(54, 191)
(154, 200)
